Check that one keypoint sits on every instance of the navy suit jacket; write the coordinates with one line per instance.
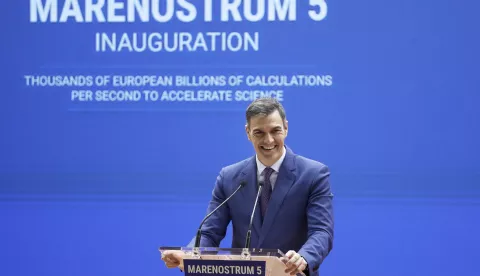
(299, 215)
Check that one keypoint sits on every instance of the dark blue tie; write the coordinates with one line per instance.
(266, 191)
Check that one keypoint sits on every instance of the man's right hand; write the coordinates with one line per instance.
(173, 258)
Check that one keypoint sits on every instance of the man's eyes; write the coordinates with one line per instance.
(276, 131)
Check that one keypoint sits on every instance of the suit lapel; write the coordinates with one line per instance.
(284, 182)
(250, 193)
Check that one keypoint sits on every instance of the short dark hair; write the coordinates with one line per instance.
(264, 106)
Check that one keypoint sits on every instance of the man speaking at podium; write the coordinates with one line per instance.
(294, 211)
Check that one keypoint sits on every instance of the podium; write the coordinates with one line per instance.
(230, 261)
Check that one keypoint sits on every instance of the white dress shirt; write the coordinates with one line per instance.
(275, 167)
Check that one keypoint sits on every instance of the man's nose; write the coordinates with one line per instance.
(268, 138)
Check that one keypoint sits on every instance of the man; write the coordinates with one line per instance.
(294, 212)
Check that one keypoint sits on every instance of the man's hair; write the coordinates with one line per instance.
(264, 107)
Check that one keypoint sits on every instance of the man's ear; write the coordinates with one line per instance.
(247, 130)
(285, 126)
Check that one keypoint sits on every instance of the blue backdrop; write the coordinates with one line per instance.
(94, 187)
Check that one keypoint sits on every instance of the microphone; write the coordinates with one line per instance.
(249, 232)
(199, 231)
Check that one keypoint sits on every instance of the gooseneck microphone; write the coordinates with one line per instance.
(249, 232)
(199, 231)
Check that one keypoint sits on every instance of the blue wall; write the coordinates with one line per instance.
(94, 188)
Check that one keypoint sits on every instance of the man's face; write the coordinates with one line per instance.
(267, 134)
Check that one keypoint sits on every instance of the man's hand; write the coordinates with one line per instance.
(173, 258)
(295, 263)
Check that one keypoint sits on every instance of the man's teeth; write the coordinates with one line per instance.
(269, 148)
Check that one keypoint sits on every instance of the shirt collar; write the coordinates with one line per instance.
(275, 166)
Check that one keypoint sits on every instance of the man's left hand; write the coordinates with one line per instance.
(295, 263)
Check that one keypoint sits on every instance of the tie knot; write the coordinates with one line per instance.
(268, 172)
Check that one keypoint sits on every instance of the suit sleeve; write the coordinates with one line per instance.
(320, 222)
(215, 227)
